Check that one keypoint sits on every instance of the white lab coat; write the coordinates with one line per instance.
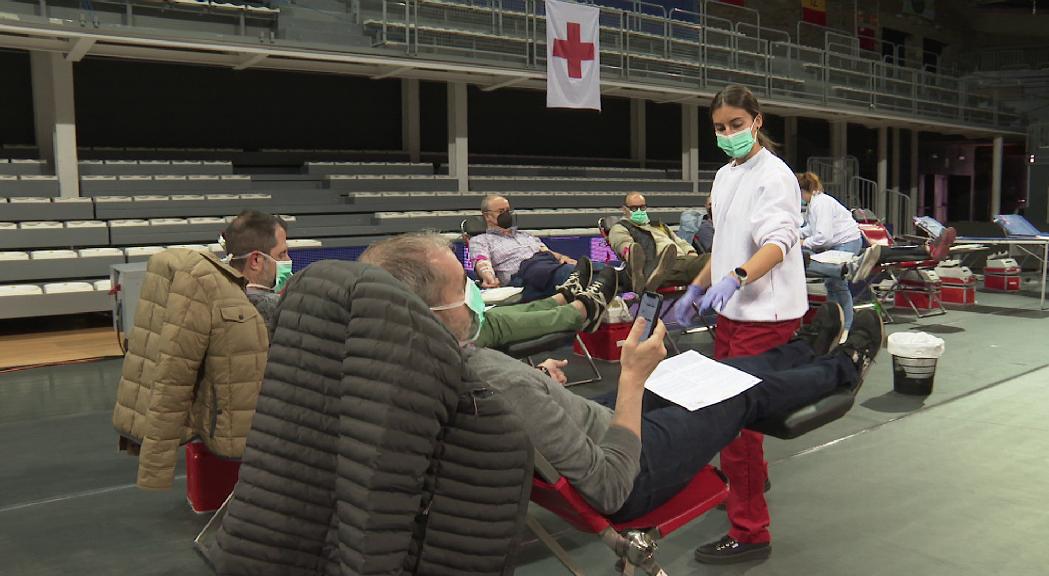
(828, 224)
(758, 203)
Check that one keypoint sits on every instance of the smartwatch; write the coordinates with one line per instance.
(740, 275)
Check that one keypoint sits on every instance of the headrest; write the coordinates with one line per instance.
(474, 225)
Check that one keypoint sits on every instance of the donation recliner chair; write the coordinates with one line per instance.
(634, 542)
(526, 350)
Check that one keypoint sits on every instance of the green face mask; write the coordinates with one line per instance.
(283, 275)
(737, 145)
(473, 300)
(639, 217)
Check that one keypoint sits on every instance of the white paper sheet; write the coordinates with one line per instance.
(833, 257)
(693, 381)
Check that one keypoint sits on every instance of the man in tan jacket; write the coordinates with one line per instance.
(194, 365)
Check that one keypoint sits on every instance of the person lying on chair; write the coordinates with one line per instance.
(579, 305)
(654, 253)
(629, 453)
(506, 256)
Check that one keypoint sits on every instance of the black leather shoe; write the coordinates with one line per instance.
(729, 551)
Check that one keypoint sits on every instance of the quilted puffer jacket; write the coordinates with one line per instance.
(194, 365)
(368, 453)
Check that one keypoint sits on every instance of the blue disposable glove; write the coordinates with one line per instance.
(683, 310)
(719, 294)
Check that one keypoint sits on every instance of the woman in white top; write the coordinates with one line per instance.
(755, 281)
(829, 226)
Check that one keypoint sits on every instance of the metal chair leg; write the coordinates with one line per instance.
(590, 360)
(551, 543)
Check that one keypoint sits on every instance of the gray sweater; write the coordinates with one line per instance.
(574, 434)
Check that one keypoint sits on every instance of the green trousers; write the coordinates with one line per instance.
(509, 324)
(686, 268)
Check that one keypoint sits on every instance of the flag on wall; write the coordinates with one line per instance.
(867, 29)
(573, 70)
(814, 11)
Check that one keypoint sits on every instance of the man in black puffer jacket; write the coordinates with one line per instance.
(368, 454)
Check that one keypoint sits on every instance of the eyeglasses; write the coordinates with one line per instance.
(636, 208)
(498, 212)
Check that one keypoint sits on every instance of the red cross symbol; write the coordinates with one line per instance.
(573, 50)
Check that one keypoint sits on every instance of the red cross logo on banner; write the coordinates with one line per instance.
(574, 51)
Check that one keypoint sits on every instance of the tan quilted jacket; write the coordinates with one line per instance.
(194, 365)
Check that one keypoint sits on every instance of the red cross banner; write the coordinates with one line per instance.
(573, 72)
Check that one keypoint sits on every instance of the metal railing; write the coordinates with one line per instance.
(836, 175)
(863, 193)
(901, 213)
(641, 41)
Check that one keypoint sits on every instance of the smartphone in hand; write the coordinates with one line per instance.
(649, 309)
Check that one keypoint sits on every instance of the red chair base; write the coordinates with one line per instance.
(209, 479)
(633, 541)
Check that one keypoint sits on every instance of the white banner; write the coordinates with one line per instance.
(573, 71)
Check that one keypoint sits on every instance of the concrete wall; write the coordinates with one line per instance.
(16, 104)
(124, 103)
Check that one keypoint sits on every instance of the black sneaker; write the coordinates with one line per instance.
(864, 342)
(597, 296)
(664, 263)
(729, 551)
(824, 332)
(578, 280)
(635, 259)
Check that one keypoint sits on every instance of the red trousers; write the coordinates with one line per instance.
(743, 461)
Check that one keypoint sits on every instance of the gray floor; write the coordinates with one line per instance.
(954, 483)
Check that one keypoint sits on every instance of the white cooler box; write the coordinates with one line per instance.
(1002, 275)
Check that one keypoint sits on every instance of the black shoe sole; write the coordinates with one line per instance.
(749, 556)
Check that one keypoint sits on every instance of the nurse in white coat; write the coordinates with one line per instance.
(755, 281)
(829, 226)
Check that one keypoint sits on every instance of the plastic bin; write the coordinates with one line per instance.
(914, 358)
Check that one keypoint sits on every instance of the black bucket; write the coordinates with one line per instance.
(913, 376)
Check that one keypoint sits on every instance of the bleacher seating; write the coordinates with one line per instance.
(131, 213)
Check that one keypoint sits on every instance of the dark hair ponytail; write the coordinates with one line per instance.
(741, 97)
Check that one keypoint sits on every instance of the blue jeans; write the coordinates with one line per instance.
(837, 287)
(677, 443)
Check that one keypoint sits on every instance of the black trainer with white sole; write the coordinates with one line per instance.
(825, 330)
(578, 280)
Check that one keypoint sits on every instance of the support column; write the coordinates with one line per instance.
(894, 179)
(790, 142)
(914, 188)
(883, 171)
(839, 138)
(54, 111)
(690, 145)
(410, 139)
(457, 135)
(996, 177)
(638, 138)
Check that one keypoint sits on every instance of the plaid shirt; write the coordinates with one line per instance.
(504, 251)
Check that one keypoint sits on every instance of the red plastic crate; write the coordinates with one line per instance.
(1001, 282)
(209, 479)
(602, 344)
(923, 297)
(959, 293)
